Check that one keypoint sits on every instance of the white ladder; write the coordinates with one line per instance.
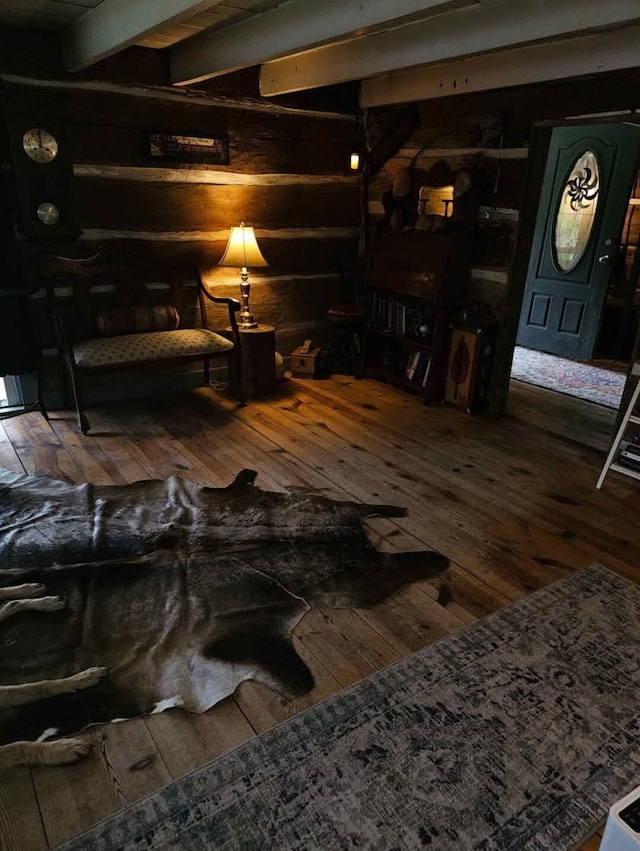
(629, 417)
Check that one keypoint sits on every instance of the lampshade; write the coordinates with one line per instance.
(242, 249)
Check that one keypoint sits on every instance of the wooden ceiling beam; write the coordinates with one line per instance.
(482, 28)
(290, 28)
(116, 24)
(538, 63)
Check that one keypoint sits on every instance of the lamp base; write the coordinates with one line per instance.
(246, 320)
(245, 317)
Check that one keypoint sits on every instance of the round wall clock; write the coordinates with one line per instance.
(48, 213)
(40, 145)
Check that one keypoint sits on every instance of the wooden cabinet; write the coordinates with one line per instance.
(417, 281)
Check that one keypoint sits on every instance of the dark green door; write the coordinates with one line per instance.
(587, 184)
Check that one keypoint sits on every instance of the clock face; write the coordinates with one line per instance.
(48, 213)
(40, 145)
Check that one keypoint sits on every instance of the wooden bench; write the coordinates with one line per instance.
(109, 319)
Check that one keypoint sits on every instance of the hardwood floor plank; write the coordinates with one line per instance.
(21, 827)
(348, 647)
(186, 740)
(264, 708)
(410, 620)
(9, 458)
(511, 501)
(123, 767)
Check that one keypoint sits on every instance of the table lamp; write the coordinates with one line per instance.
(242, 251)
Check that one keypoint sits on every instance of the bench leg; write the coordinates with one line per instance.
(83, 422)
(43, 410)
(206, 372)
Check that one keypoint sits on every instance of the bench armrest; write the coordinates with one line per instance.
(233, 305)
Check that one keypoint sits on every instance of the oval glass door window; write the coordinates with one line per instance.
(577, 211)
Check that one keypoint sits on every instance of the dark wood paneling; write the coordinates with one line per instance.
(465, 121)
(29, 53)
(494, 243)
(109, 128)
(286, 256)
(289, 256)
(504, 181)
(129, 205)
(282, 303)
(520, 106)
(126, 145)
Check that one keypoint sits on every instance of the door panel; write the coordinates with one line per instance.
(587, 182)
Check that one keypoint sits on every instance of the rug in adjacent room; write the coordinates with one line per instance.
(516, 733)
(583, 380)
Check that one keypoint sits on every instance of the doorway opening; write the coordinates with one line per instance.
(10, 392)
(600, 382)
(581, 307)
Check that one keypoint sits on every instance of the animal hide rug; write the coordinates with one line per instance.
(181, 591)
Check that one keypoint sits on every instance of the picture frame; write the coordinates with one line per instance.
(185, 148)
(461, 367)
(470, 358)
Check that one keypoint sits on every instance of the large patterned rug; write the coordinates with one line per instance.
(597, 384)
(515, 733)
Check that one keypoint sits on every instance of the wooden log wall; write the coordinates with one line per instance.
(491, 132)
(288, 177)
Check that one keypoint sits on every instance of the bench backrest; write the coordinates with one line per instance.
(95, 300)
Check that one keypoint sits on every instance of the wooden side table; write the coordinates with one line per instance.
(258, 352)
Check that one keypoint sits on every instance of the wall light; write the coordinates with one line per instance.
(355, 162)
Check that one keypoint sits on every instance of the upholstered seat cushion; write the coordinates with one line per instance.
(155, 345)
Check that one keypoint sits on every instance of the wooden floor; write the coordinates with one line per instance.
(510, 500)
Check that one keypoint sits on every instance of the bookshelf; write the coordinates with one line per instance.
(417, 280)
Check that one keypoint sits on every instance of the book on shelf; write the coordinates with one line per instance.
(412, 365)
(633, 449)
(404, 317)
(417, 368)
(630, 460)
(423, 364)
(425, 377)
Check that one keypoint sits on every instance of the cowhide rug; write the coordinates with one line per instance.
(180, 591)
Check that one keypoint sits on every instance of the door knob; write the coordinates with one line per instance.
(604, 259)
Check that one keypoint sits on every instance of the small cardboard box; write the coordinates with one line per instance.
(304, 361)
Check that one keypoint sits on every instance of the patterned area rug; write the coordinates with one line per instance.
(516, 733)
(586, 381)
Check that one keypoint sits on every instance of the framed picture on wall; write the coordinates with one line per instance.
(188, 149)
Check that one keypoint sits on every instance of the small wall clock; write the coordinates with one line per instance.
(39, 154)
(48, 213)
(40, 145)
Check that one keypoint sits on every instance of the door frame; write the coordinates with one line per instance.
(514, 298)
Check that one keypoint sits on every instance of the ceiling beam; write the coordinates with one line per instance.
(116, 24)
(479, 29)
(534, 64)
(290, 28)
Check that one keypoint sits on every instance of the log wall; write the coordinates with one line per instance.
(492, 131)
(287, 176)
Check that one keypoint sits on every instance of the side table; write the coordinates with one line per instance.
(258, 353)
